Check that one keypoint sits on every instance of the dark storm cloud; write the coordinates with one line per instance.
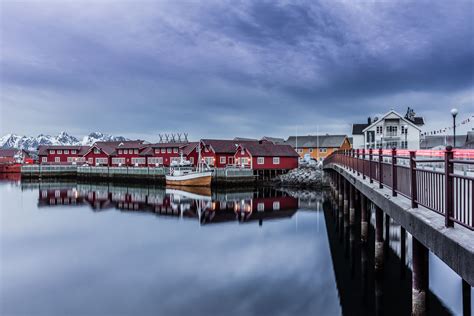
(231, 68)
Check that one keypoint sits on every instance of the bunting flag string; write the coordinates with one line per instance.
(446, 129)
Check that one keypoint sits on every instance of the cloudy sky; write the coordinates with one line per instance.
(231, 68)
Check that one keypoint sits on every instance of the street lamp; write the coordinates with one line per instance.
(454, 112)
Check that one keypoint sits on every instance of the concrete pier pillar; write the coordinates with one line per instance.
(379, 294)
(403, 251)
(364, 223)
(352, 205)
(340, 188)
(419, 277)
(378, 239)
(346, 196)
(466, 299)
(387, 234)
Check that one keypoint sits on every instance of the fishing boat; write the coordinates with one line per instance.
(184, 175)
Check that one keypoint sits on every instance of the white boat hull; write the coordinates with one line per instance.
(190, 179)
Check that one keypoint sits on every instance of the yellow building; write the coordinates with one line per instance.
(318, 146)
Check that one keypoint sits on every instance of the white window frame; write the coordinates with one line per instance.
(52, 151)
(311, 150)
(276, 205)
(135, 151)
(260, 160)
(125, 151)
(323, 150)
(168, 150)
(222, 159)
(44, 159)
(276, 160)
(191, 159)
(155, 160)
(138, 160)
(299, 150)
(73, 151)
(57, 159)
(244, 160)
(118, 161)
(101, 161)
(96, 150)
(261, 207)
(60, 151)
(66, 151)
(175, 150)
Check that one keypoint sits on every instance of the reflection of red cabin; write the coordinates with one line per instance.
(266, 156)
(58, 154)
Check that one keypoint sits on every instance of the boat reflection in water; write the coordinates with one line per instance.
(199, 203)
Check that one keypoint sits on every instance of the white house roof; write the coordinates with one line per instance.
(387, 114)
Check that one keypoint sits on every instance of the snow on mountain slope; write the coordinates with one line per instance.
(32, 143)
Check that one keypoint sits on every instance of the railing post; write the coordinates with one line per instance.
(370, 165)
(380, 169)
(353, 161)
(449, 186)
(394, 171)
(414, 194)
(363, 163)
(357, 161)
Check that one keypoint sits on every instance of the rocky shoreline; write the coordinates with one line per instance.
(306, 176)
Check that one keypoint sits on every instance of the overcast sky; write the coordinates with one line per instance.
(231, 68)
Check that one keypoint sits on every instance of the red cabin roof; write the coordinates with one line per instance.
(267, 149)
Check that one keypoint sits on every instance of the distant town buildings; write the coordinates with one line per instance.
(318, 146)
(391, 130)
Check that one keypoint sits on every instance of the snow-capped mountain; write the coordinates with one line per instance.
(32, 143)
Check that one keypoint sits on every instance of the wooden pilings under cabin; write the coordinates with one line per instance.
(345, 195)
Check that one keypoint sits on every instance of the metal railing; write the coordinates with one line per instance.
(439, 183)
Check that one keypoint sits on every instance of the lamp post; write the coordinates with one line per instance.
(454, 112)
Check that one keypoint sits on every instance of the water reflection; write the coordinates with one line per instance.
(204, 205)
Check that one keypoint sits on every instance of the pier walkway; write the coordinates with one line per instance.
(433, 204)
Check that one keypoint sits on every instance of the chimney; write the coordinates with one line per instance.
(369, 120)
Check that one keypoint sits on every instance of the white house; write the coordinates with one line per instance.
(391, 130)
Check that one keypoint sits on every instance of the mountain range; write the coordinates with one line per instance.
(32, 143)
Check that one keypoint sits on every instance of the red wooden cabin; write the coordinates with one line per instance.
(102, 153)
(266, 156)
(220, 153)
(61, 154)
(162, 154)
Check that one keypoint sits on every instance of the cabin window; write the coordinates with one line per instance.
(244, 161)
(261, 207)
(231, 160)
(120, 151)
(311, 150)
(276, 160)
(66, 151)
(222, 160)
(117, 161)
(276, 205)
(57, 159)
(175, 150)
(168, 150)
(379, 129)
(323, 150)
(60, 151)
(73, 151)
(44, 194)
(70, 159)
(125, 151)
(299, 150)
(138, 161)
(135, 151)
(403, 130)
(96, 151)
(51, 151)
(155, 160)
(260, 160)
(163, 150)
(101, 161)
(191, 159)
(44, 159)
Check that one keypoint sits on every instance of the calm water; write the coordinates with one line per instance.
(103, 249)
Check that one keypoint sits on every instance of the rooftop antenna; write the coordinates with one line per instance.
(161, 138)
(167, 137)
(179, 137)
(186, 137)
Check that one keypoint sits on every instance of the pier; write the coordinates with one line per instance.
(149, 174)
(433, 204)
